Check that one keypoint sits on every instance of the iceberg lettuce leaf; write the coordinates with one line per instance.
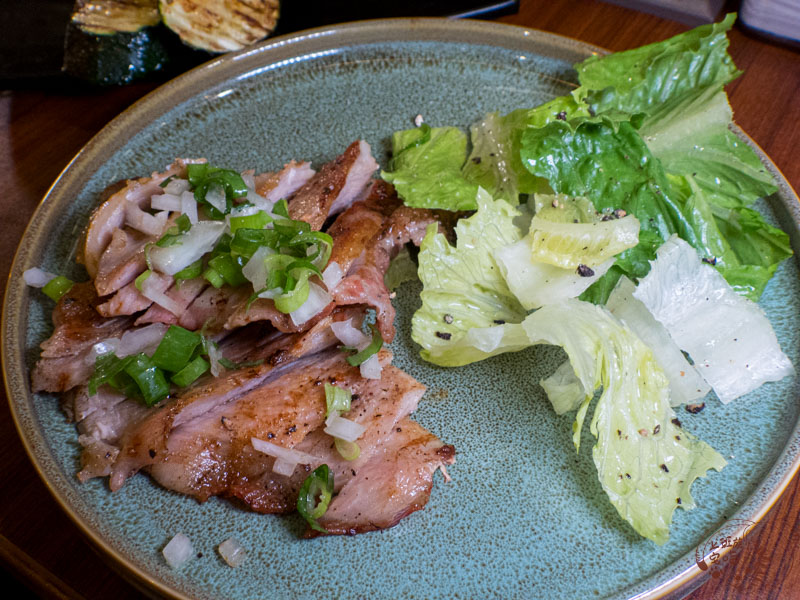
(646, 463)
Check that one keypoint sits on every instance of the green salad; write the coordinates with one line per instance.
(616, 222)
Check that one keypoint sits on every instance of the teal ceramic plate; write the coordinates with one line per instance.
(524, 515)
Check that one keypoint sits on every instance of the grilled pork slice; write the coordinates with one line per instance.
(336, 185)
(279, 352)
(77, 327)
(284, 183)
(396, 482)
(109, 218)
(182, 294)
(377, 405)
(364, 283)
(204, 455)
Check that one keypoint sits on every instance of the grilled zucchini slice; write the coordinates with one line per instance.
(220, 25)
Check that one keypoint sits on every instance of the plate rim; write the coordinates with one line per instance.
(251, 61)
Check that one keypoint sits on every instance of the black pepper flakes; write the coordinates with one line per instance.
(270, 435)
(584, 271)
(711, 261)
(291, 429)
(443, 335)
(152, 453)
(664, 468)
(678, 501)
(676, 422)
(499, 322)
(562, 116)
(477, 160)
(656, 429)
(695, 408)
(448, 319)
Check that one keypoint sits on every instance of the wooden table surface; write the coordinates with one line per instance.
(41, 131)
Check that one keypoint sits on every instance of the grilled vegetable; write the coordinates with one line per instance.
(107, 17)
(220, 25)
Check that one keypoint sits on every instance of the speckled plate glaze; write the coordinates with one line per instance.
(524, 515)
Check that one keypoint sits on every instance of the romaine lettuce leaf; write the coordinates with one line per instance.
(727, 335)
(648, 78)
(464, 291)
(646, 463)
(495, 163)
(685, 383)
(426, 168)
(607, 161)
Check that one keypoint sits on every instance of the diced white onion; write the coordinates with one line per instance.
(189, 206)
(145, 339)
(215, 196)
(178, 551)
(232, 552)
(176, 186)
(255, 270)
(344, 429)
(317, 300)
(151, 289)
(349, 335)
(165, 202)
(371, 368)
(332, 275)
(249, 179)
(37, 278)
(214, 356)
(284, 467)
(261, 202)
(286, 454)
(100, 348)
(138, 219)
(200, 239)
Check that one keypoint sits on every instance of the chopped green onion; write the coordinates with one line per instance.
(150, 379)
(190, 372)
(172, 236)
(165, 183)
(203, 176)
(336, 399)
(213, 277)
(229, 269)
(139, 281)
(176, 349)
(315, 496)
(347, 450)
(375, 345)
(106, 368)
(245, 242)
(296, 296)
(281, 208)
(193, 270)
(57, 287)
(255, 221)
(288, 228)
